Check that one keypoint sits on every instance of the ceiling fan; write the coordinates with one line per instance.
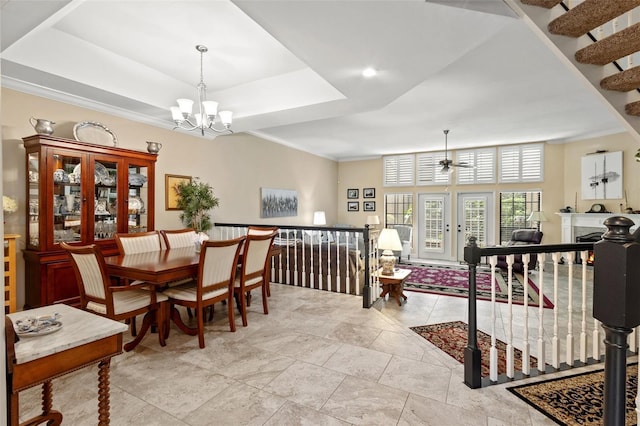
(447, 165)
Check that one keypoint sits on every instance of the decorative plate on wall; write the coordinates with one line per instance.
(96, 133)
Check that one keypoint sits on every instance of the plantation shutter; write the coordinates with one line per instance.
(429, 169)
(399, 170)
(484, 161)
(522, 163)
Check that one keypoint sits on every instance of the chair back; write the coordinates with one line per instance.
(218, 261)
(525, 236)
(255, 256)
(93, 281)
(176, 238)
(139, 242)
(261, 230)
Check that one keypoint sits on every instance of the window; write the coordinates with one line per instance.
(429, 169)
(399, 170)
(398, 209)
(484, 166)
(515, 208)
(522, 163)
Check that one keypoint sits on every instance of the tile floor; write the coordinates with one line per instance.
(318, 358)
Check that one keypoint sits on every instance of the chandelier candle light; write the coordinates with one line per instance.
(205, 117)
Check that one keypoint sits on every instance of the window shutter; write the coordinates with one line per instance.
(429, 169)
(483, 159)
(522, 163)
(399, 170)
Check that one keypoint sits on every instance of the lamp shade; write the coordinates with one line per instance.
(319, 218)
(373, 220)
(537, 216)
(389, 240)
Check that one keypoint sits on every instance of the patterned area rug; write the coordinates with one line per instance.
(577, 400)
(451, 337)
(451, 281)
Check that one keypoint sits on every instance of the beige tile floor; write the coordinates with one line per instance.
(318, 358)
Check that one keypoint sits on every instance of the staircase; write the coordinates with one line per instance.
(599, 40)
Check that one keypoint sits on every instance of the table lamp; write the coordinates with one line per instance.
(373, 221)
(319, 218)
(388, 241)
(537, 217)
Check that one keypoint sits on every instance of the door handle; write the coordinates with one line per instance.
(446, 228)
(459, 230)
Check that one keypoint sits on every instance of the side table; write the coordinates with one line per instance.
(394, 284)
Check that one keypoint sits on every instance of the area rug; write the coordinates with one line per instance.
(451, 337)
(451, 281)
(577, 400)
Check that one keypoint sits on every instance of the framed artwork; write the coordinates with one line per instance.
(601, 177)
(353, 206)
(369, 206)
(368, 193)
(352, 193)
(170, 194)
(278, 202)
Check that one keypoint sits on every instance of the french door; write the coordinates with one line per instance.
(475, 218)
(434, 227)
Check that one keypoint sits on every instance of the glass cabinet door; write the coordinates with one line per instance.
(67, 198)
(105, 200)
(137, 218)
(33, 195)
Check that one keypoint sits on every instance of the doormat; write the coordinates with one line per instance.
(451, 281)
(578, 399)
(451, 337)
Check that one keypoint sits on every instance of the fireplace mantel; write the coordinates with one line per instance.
(571, 221)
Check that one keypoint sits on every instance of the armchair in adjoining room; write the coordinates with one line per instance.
(522, 237)
(405, 232)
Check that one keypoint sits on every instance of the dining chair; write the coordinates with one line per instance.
(261, 230)
(216, 277)
(253, 271)
(176, 238)
(138, 242)
(118, 303)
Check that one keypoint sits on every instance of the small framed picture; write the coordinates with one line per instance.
(368, 193)
(369, 206)
(352, 193)
(353, 206)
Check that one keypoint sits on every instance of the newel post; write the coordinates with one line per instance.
(472, 355)
(616, 297)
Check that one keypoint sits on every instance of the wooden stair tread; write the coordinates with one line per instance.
(633, 109)
(611, 48)
(624, 81)
(548, 4)
(589, 15)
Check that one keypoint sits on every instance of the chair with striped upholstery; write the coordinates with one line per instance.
(176, 238)
(260, 230)
(118, 303)
(138, 242)
(216, 277)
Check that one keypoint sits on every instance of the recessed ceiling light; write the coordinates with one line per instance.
(369, 72)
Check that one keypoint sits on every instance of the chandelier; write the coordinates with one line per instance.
(207, 112)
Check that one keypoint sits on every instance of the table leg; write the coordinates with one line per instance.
(386, 288)
(103, 392)
(48, 416)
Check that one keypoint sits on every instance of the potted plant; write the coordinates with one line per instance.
(195, 199)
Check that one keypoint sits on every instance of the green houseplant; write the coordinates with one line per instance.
(195, 199)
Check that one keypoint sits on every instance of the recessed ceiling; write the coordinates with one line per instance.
(292, 70)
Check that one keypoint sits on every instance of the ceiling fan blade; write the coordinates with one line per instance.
(464, 165)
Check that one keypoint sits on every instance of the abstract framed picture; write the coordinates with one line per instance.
(602, 176)
(353, 206)
(369, 193)
(170, 193)
(278, 202)
(369, 206)
(353, 193)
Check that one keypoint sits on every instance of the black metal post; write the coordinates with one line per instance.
(616, 295)
(366, 290)
(472, 354)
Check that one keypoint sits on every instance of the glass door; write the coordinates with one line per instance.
(33, 199)
(434, 236)
(475, 218)
(138, 198)
(105, 198)
(67, 197)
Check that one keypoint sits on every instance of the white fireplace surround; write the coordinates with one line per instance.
(572, 222)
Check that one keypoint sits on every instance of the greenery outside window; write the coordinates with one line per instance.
(515, 209)
(398, 209)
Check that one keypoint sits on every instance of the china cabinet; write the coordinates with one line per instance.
(79, 193)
